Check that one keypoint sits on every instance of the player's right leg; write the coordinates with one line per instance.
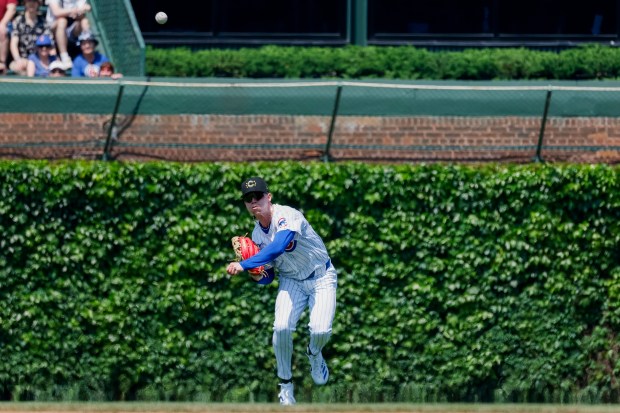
(290, 303)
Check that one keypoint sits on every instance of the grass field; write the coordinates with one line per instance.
(309, 408)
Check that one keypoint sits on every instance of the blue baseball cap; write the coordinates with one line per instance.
(43, 40)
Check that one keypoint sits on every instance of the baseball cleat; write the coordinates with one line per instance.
(286, 394)
(318, 368)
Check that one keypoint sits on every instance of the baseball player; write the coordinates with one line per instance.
(307, 278)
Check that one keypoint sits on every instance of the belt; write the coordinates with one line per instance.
(313, 273)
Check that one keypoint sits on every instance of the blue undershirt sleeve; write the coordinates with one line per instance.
(271, 251)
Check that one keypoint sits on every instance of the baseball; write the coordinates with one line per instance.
(161, 17)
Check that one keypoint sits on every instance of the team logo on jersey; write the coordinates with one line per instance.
(282, 223)
(91, 70)
(291, 246)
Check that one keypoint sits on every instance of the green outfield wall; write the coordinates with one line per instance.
(170, 96)
(244, 120)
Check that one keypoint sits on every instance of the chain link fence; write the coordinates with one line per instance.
(220, 120)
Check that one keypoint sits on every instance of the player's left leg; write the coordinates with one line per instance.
(322, 304)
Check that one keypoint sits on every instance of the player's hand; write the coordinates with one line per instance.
(234, 268)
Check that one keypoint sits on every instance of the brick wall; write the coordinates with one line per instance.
(243, 138)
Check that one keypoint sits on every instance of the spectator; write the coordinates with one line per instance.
(107, 70)
(27, 28)
(88, 63)
(57, 69)
(39, 62)
(67, 19)
(7, 11)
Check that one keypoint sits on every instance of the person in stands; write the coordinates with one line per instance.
(39, 62)
(7, 11)
(67, 18)
(57, 69)
(27, 28)
(107, 70)
(88, 63)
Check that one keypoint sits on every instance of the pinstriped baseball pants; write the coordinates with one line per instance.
(319, 295)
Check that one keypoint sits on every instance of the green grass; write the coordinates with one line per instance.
(302, 407)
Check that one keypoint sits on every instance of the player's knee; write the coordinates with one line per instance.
(282, 330)
(319, 329)
(321, 335)
(281, 335)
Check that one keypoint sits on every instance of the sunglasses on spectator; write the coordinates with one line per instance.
(45, 47)
(57, 71)
(252, 195)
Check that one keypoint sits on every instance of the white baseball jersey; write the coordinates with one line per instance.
(307, 280)
(305, 255)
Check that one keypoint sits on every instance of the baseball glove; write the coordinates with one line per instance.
(245, 248)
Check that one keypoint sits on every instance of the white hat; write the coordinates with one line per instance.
(57, 64)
